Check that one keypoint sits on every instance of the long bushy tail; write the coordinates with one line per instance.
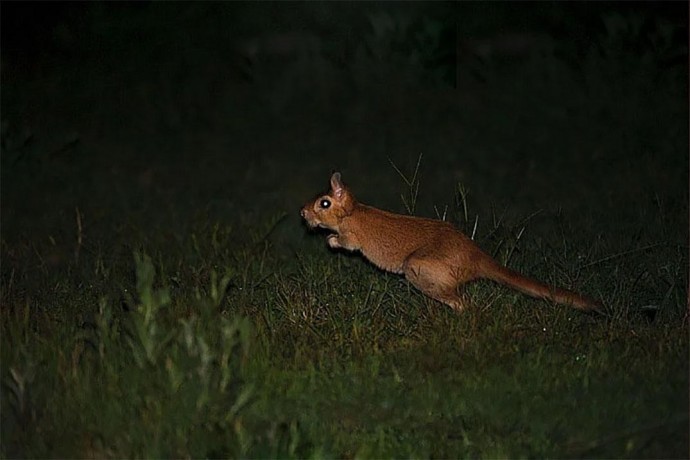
(533, 288)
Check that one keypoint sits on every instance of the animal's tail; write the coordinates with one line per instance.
(534, 288)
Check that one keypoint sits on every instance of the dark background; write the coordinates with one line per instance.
(148, 118)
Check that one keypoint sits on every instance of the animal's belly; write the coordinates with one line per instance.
(384, 260)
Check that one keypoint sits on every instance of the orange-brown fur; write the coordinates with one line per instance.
(434, 256)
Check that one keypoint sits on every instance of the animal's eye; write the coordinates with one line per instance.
(325, 204)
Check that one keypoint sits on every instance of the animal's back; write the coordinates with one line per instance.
(388, 239)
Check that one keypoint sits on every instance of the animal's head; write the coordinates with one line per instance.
(326, 211)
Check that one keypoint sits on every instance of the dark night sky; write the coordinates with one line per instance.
(152, 88)
(28, 28)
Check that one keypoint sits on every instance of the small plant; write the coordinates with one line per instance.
(412, 183)
(147, 340)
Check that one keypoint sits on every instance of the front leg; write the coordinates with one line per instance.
(334, 241)
(344, 241)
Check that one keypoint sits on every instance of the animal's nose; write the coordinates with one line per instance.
(301, 212)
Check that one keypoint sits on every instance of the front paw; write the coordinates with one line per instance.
(333, 241)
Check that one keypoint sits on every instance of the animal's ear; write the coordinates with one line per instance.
(337, 186)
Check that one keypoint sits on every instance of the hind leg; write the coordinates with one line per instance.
(436, 279)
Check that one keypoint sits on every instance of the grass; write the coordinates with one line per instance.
(160, 297)
(340, 361)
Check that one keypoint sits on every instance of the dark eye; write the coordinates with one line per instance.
(325, 204)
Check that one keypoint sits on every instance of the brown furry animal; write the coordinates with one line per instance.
(433, 255)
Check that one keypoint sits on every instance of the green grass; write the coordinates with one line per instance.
(336, 359)
(161, 298)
